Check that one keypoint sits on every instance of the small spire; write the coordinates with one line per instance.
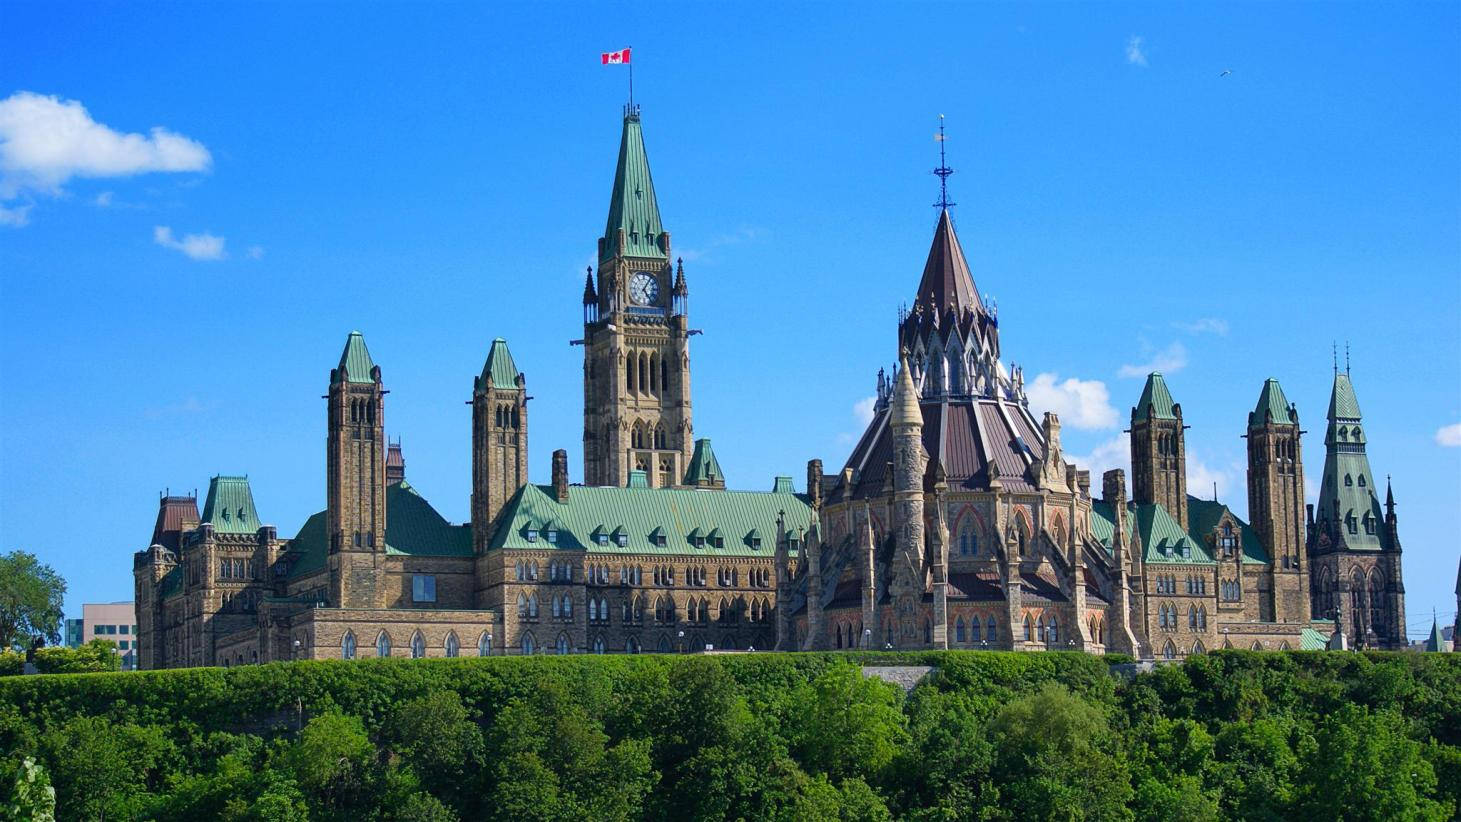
(943, 171)
(589, 295)
(1346, 358)
(1334, 350)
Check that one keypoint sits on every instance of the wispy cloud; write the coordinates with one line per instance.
(256, 252)
(190, 405)
(1169, 360)
(1206, 325)
(1202, 478)
(862, 412)
(15, 217)
(702, 253)
(102, 200)
(1449, 436)
(1134, 55)
(1113, 453)
(203, 246)
(46, 141)
(1078, 403)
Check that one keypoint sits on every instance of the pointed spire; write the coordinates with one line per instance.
(1342, 401)
(680, 288)
(1435, 642)
(905, 396)
(704, 469)
(590, 296)
(946, 281)
(1271, 401)
(499, 368)
(1156, 398)
(355, 362)
(633, 208)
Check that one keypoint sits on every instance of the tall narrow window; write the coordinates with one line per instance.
(347, 646)
(383, 644)
(418, 646)
(453, 645)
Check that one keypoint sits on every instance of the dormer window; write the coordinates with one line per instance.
(1362, 480)
(621, 538)
(601, 538)
(1348, 481)
(552, 534)
(532, 533)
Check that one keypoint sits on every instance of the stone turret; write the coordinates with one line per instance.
(356, 482)
(907, 575)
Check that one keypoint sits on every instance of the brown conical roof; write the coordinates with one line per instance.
(946, 281)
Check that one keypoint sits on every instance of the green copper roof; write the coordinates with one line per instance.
(1271, 401)
(355, 361)
(1164, 541)
(1347, 486)
(676, 513)
(1203, 516)
(230, 506)
(1436, 641)
(499, 367)
(1156, 397)
(307, 550)
(632, 206)
(1312, 640)
(414, 528)
(1103, 523)
(1342, 402)
(704, 468)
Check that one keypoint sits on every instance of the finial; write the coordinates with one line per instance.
(1346, 358)
(943, 171)
(1334, 349)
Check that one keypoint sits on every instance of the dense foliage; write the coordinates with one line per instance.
(760, 736)
(31, 595)
(96, 656)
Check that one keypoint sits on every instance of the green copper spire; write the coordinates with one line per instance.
(1436, 641)
(499, 367)
(230, 506)
(355, 362)
(1156, 397)
(632, 207)
(1349, 507)
(1271, 401)
(704, 470)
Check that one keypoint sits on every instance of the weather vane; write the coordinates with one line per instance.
(943, 171)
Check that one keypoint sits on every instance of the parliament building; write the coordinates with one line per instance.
(956, 522)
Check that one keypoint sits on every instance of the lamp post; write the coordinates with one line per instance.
(867, 638)
(296, 649)
(680, 642)
(489, 643)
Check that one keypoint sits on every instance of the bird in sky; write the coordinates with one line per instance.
(1226, 72)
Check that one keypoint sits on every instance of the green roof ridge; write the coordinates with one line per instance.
(1271, 400)
(704, 468)
(500, 368)
(1342, 401)
(355, 362)
(633, 206)
(230, 506)
(1156, 397)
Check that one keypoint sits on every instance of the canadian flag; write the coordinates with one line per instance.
(614, 58)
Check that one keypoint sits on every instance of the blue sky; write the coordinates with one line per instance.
(436, 175)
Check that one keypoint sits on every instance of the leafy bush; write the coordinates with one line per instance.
(770, 736)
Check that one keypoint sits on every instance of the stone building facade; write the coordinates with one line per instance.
(955, 522)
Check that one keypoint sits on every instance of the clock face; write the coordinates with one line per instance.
(643, 288)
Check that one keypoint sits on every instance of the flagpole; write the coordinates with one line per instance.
(631, 77)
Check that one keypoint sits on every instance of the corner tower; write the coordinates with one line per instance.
(1276, 497)
(636, 370)
(499, 440)
(356, 478)
(1159, 451)
(1354, 548)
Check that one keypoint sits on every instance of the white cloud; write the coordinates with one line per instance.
(103, 199)
(1201, 477)
(15, 217)
(1134, 55)
(45, 141)
(863, 410)
(1449, 435)
(256, 252)
(1169, 360)
(1113, 453)
(1079, 403)
(203, 246)
(746, 234)
(1206, 325)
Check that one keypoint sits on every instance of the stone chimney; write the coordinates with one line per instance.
(395, 464)
(1113, 487)
(814, 482)
(560, 475)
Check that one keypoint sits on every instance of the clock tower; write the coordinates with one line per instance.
(636, 338)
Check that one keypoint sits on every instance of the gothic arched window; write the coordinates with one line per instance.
(383, 644)
(347, 646)
(453, 645)
(418, 646)
(959, 630)
(484, 644)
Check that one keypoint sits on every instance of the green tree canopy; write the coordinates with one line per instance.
(31, 599)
